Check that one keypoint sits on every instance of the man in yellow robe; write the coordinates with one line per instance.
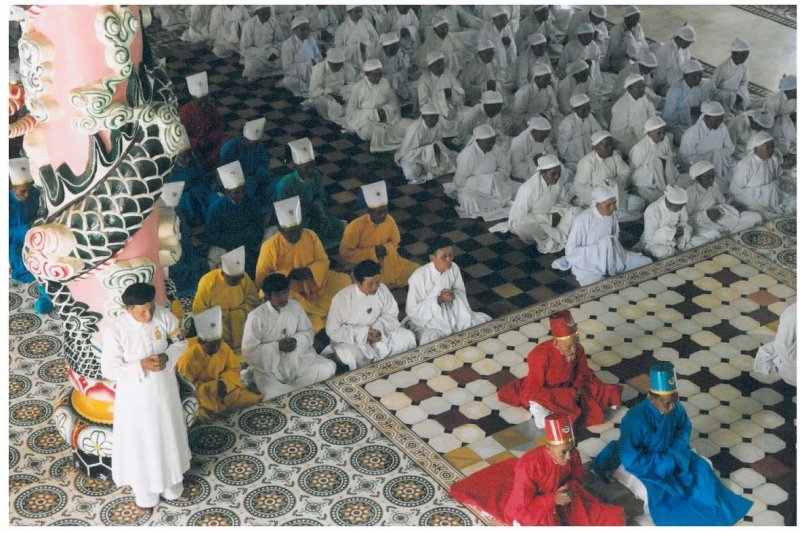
(375, 236)
(232, 289)
(298, 254)
(211, 367)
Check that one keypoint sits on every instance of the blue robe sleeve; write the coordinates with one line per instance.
(638, 453)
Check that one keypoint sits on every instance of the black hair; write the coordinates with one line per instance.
(366, 269)
(438, 243)
(274, 283)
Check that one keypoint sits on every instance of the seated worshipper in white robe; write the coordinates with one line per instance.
(356, 37)
(199, 19)
(710, 214)
(533, 54)
(683, 101)
(278, 343)
(484, 73)
(652, 161)
(578, 81)
(593, 250)
(323, 21)
(544, 21)
(437, 305)
(744, 126)
(666, 225)
(512, 11)
(630, 113)
(442, 41)
(582, 47)
(225, 27)
(438, 86)
(626, 41)
(541, 213)
(645, 68)
(528, 147)
(362, 321)
(481, 182)
(499, 32)
(398, 69)
(730, 79)
(671, 56)
(373, 112)
(423, 156)
(330, 86)
(756, 181)
(780, 355)
(604, 166)
(576, 130)
(260, 51)
(299, 54)
(595, 17)
(537, 98)
(404, 21)
(708, 140)
(171, 17)
(462, 22)
(286, 14)
(490, 110)
(782, 106)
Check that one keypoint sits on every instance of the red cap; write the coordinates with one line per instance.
(562, 324)
(558, 430)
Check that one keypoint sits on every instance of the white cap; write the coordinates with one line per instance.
(540, 7)
(433, 57)
(765, 120)
(208, 324)
(602, 193)
(438, 20)
(577, 66)
(289, 212)
(691, 65)
(171, 193)
(485, 44)
(254, 129)
(712, 109)
(633, 78)
(372, 64)
(351, 7)
(375, 194)
(429, 109)
(19, 171)
(541, 69)
(648, 59)
(536, 38)
(687, 33)
(302, 151)
(484, 131)
(676, 195)
(491, 97)
(335, 55)
(654, 123)
(548, 161)
(231, 175)
(197, 84)
(787, 83)
(700, 168)
(389, 38)
(539, 123)
(585, 28)
(599, 11)
(233, 262)
(630, 10)
(578, 99)
(496, 11)
(740, 45)
(299, 21)
(758, 139)
(599, 136)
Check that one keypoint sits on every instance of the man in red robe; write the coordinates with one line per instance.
(559, 380)
(202, 121)
(548, 485)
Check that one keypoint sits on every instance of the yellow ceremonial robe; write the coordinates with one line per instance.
(279, 255)
(236, 302)
(204, 372)
(358, 244)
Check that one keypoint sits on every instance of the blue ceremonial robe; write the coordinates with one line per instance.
(229, 226)
(258, 181)
(20, 219)
(682, 489)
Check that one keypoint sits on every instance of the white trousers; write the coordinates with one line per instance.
(150, 499)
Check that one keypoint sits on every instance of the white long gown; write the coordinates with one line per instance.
(703, 228)
(780, 355)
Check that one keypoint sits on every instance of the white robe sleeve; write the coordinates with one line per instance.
(339, 327)
(112, 360)
(260, 343)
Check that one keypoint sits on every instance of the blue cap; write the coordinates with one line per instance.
(663, 379)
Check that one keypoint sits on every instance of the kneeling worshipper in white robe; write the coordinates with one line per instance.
(423, 156)
(710, 214)
(324, 21)
(756, 181)
(330, 86)
(730, 79)
(630, 113)
(645, 68)
(582, 47)
(438, 86)
(652, 162)
(666, 225)
(199, 19)
(626, 41)
(490, 110)
(604, 166)
(442, 41)
(299, 54)
(534, 54)
(225, 27)
(683, 101)
(593, 250)
(671, 56)
(595, 17)
(261, 53)
(278, 343)
(577, 81)
(150, 444)
(744, 126)
(484, 73)
(709, 140)
(541, 213)
(481, 182)
(437, 305)
(537, 98)
(398, 70)
(780, 355)
(783, 108)
(499, 32)
(362, 321)
(528, 146)
(373, 112)
(356, 37)
(576, 130)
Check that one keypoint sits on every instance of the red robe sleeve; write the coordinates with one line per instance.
(536, 387)
(531, 503)
(583, 374)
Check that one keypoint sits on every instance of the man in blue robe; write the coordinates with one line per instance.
(682, 489)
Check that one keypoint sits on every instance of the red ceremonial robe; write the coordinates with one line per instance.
(553, 383)
(206, 129)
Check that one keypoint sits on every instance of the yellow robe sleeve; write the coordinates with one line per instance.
(202, 299)
(268, 259)
(348, 247)
(318, 261)
(229, 373)
(251, 300)
(393, 236)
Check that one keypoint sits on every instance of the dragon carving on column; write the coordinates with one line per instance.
(101, 132)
